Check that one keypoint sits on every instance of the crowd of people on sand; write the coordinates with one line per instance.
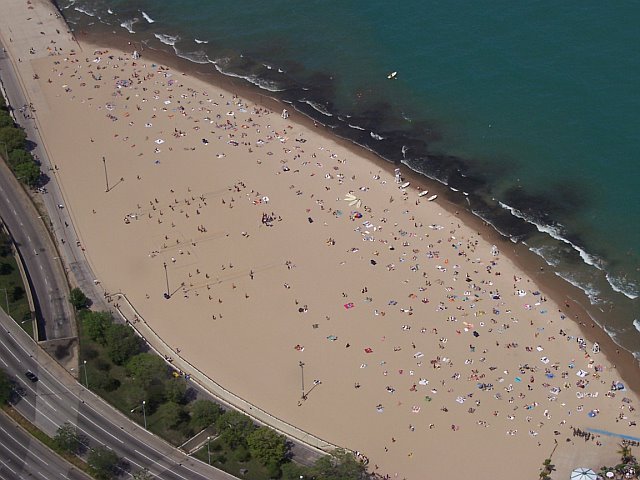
(450, 294)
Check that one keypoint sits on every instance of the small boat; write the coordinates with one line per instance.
(405, 185)
(432, 198)
(392, 75)
(423, 193)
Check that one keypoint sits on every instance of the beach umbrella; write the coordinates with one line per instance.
(583, 473)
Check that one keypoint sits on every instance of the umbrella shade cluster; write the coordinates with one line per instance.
(583, 473)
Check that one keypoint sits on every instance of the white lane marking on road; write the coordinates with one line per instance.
(9, 350)
(22, 348)
(43, 476)
(9, 468)
(85, 432)
(20, 459)
(2, 360)
(135, 463)
(153, 461)
(22, 446)
(39, 412)
(45, 386)
(98, 426)
(73, 394)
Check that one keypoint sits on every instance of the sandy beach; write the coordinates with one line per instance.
(423, 345)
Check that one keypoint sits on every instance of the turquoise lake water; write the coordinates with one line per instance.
(533, 107)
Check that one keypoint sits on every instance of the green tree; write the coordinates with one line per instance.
(5, 268)
(28, 172)
(340, 465)
(12, 138)
(19, 156)
(5, 120)
(121, 342)
(142, 475)
(5, 387)
(293, 471)
(103, 463)
(78, 299)
(67, 438)
(171, 414)
(175, 390)
(146, 368)
(626, 456)
(234, 428)
(95, 324)
(101, 380)
(17, 293)
(267, 446)
(204, 413)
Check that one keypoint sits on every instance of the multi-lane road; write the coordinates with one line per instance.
(57, 398)
(22, 456)
(38, 252)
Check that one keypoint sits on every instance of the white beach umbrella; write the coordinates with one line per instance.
(583, 473)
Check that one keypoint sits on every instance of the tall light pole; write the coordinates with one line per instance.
(144, 414)
(86, 378)
(302, 377)
(106, 178)
(209, 449)
(167, 294)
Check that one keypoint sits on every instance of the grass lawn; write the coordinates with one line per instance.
(13, 297)
(224, 459)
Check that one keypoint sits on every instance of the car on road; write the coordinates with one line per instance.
(31, 376)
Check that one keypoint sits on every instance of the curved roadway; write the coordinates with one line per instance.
(57, 398)
(22, 456)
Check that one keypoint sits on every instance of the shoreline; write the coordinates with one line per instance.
(457, 172)
(325, 414)
(583, 312)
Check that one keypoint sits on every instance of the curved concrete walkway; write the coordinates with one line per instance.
(130, 315)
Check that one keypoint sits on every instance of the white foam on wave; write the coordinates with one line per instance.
(355, 126)
(147, 18)
(167, 39)
(636, 323)
(623, 285)
(542, 252)
(262, 83)
(86, 11)
(317, 107)
(375, 136)
(487, 220)
(589, 289)
(128, 25)
(196, 57)
(556, 233)
(201, 41)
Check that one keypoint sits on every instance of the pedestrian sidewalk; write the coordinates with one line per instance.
(133, 318)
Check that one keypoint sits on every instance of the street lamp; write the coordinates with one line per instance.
(106, 178)
(86, 378)
(144, 414)
(167, 294)
(209, 449)
(302, 377)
